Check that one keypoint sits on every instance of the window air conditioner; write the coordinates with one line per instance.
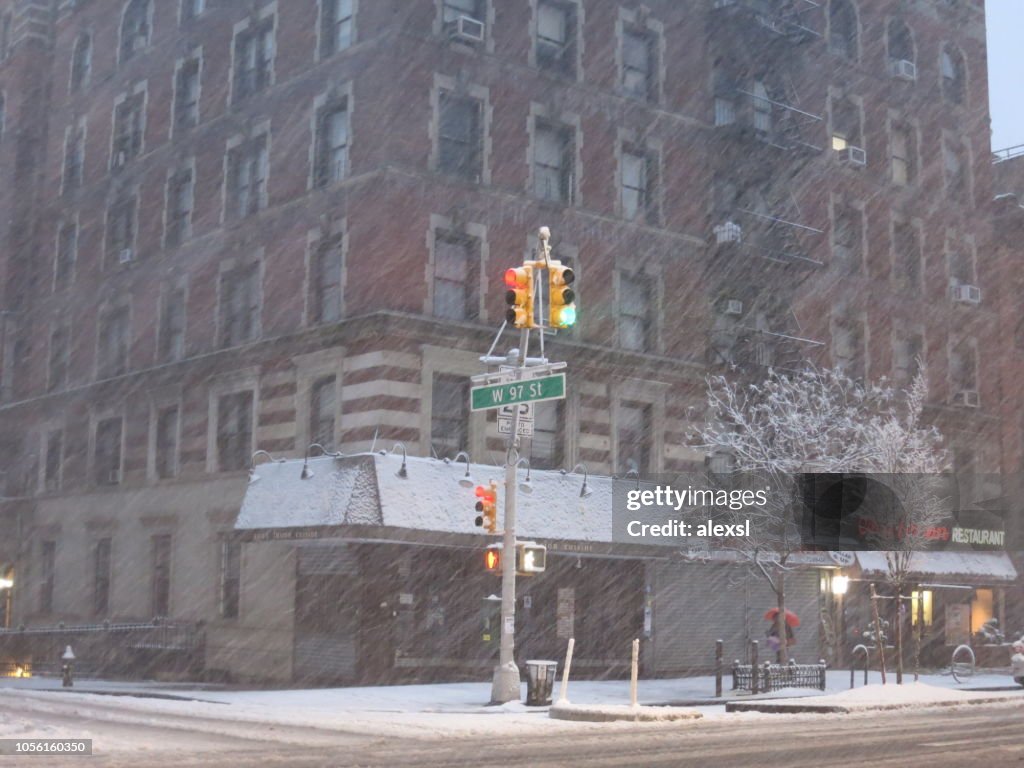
(904, 70)
(734, 307)
(466, 29)
(729, 232)
(125, 257)
(967, 398)
(966, 294)
(853, 156)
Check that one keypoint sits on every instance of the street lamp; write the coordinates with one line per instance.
(584, 490)
(840, 584)
(465, 481)
(402, 472)
(253, 477)
(636, 474)
(307, 473)
(526, 486)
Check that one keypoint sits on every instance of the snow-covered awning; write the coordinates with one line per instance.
(972, 568)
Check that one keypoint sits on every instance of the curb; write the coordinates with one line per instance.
(623, 712)
(786, 708)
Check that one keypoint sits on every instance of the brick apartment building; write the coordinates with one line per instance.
(240, 226)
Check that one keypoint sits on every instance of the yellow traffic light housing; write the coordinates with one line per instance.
(562, 297)
(487, 506)
(519, 296)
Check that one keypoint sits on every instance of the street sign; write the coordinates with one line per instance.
(532, 390)
(505, 414)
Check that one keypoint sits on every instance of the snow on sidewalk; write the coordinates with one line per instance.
(879, 697)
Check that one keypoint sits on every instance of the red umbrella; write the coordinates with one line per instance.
(791, 618)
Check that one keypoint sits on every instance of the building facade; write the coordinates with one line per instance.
(243, 226)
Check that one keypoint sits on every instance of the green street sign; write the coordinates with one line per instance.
(529, 390)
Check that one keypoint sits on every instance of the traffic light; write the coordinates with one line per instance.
(531, 558)
(519, 296)
(492, 559)
(487, 506)
(563, 298)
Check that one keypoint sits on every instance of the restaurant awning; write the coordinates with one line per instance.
(970, 568)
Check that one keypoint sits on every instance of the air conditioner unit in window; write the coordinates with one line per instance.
(967, 398)
(125, 256)
(966, 294)
(466, 29)
(734, 307)
(853, 156)
(729, 232)
(904, 70)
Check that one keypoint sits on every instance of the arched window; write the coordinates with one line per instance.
(81, 62)
(134, 28)
(842, 28)
(954, 76)
(901, 42)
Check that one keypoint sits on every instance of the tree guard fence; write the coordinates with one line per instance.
(768, 677)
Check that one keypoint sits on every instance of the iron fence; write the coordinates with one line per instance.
(772, 677)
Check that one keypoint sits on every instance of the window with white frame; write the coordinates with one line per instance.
(239, 305)
(121, 224)
(640, 63)
(336, 26)
(332, 143)
(54, 458)
(234, 431)
(60, 356)
(172, 325)
(107, 455)
(907, 253)
(180, 193)
(135, 29)
(556, 36)
(325, 280)
(128, 126)
(186, 94)
(842, 26)
(848, 239)
(846, 124)
(165, 441)
(639, 185)
(460, 139)
(248, 168)
(67, 253)
(762, 108)
(456, 275)
(114, 341)
(81, 62)
(554, 151)
(634, 437)
(322, 407)
(902, 154)
(449, 415)
(636, 294)
(254, 58)
(74, 159)
(963, 367)
(954, 79)
(901, 42)
(452, 10)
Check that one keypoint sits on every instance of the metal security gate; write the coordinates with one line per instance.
(326, 614)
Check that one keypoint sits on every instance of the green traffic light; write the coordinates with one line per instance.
(567, 317)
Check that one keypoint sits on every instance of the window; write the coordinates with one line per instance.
(102, 564)
(166, 442)
(336, 26)
(449, 415)
(556, 37)
(762, 106)
(553, 156)
(74, 159)
(249, 167)
(848, 239)
(956, 171)
(951, 67)
(128, 118)
(639, 64)
(160, 546)
(230, 578)
(240, 305)
(81, 62)
(907, 257)
(186, 95)
(254, 58)
(634, 437)
(67, 253)
(453, 9)
(190, 9)
(903, 151)
(54, 459)
(639, 175)
(48, 562)
(234, 431)
(548, 435)
(460, 136)
(19, 369)
(846, 130)
(961, 265)
(842, 24)
(635, 304)
(321, 412)
(325, 282)
(107, 457)
(456, 296)
(848, 347)
(963, 367)
(332, 144)
(180, 190)
(901, 43)
(172, 326)
(907, 356)
(60, 352)
(5, 36)
(134, 28)
(113, 343)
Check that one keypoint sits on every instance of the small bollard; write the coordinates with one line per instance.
(718, 669)
(753, 668)
(66, 668)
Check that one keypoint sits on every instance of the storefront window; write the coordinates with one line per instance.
(921, 602)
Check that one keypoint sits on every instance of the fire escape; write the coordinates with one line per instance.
(759, 246)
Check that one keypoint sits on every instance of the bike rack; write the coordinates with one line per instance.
(860, 648)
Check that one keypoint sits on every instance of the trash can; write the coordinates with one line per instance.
(539, 682)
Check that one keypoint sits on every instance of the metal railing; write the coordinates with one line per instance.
(772, 677)
(1007, 153)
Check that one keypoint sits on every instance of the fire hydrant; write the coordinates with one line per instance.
(66, 667)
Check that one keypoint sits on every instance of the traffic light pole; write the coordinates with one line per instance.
(505, 685)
